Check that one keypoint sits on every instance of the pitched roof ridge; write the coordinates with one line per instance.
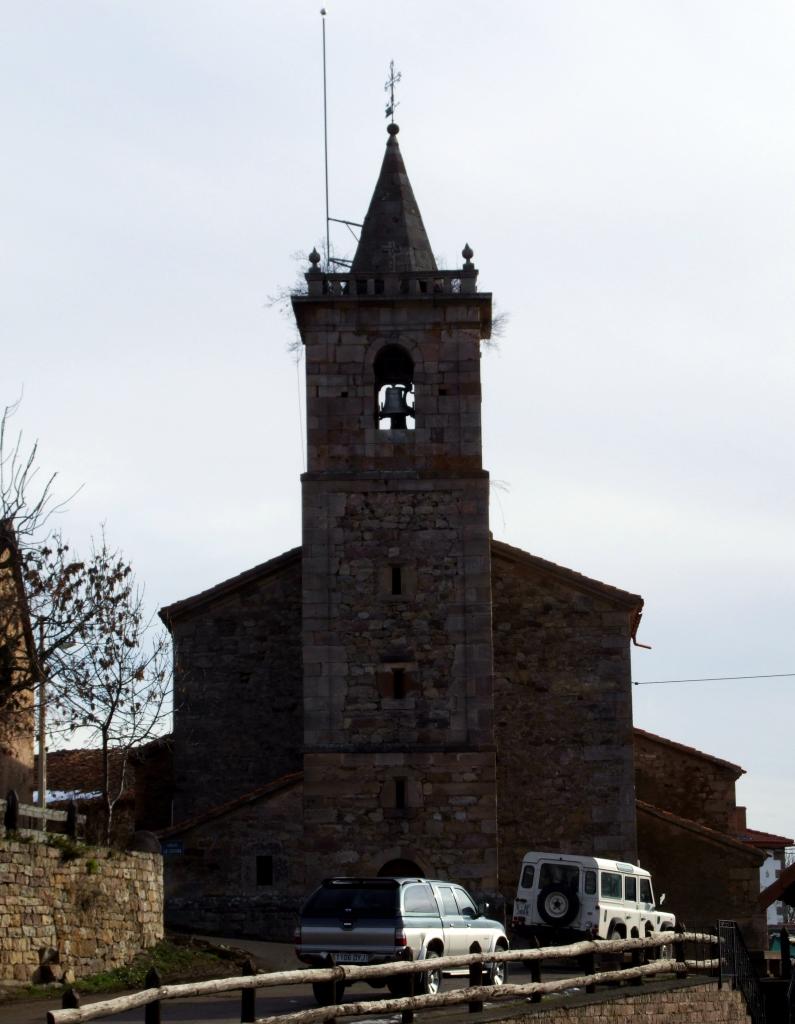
(268, 789)
(689, 750)
(500, 547)
(170, 611)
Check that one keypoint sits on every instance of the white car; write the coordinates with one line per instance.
(565, 897)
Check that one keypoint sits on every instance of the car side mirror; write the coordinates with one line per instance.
(483, 908)
(468, 912)
(662, 900)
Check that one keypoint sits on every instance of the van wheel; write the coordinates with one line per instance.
(327, 993)
(557, 906)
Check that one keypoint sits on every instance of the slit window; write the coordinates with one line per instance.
(398, 683)
(400, 794)
(397, 579)
(265, 870)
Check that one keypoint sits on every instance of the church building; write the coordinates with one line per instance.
(403, 694)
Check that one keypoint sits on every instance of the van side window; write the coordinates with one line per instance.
(590, 883)
(565, 876)
(527, 876)
(611, 885)
(645, 891)
(418, 899)
(630, 888)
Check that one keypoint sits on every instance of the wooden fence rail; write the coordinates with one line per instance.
(72, 1014)
(12, 810)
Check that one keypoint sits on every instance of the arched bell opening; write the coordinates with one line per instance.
(394, 389)
(401, 868)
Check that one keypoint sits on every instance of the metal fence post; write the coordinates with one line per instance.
(786, 959)
(152, 1010)
(475, 978)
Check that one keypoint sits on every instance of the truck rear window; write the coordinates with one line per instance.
(564, 875)
(352, 902)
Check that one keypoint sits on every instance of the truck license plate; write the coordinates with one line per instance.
(351, 958)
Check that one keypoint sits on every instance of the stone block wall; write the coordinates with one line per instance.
(237, 691)
(97, 910)
(685, 782)
(447, 826)
(243, 873)
(563, 718)
(700, 1003)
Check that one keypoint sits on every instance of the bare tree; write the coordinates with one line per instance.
(104, 667)
(114, 681)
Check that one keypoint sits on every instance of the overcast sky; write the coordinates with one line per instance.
(623, 170)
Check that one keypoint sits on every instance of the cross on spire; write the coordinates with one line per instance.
(389, 86)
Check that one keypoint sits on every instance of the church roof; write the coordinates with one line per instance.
(633, 602)
(684, 749)
(564, 575)
(270, 568)
(703, 831)
(393, 236)
(260, 793)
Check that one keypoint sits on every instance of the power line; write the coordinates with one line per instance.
(710, 679)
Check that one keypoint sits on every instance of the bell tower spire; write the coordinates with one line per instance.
(396, 571)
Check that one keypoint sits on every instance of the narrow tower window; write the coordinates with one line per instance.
(400, 794)
(397, 580)
(398, 683)
(394, 389)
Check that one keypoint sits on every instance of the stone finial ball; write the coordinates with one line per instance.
(466, 252)
(314, 258)
(392, 129)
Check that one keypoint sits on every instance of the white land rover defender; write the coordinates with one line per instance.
(564, 897)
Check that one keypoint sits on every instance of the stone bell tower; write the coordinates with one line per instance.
(399, 761)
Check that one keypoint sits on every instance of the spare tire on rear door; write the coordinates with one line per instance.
(557, 905)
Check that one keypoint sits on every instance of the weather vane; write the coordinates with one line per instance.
(389, 86)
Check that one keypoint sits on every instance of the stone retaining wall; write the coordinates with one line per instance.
(692, 1003)
(96, 910)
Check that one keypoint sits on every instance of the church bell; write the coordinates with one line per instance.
(395, 407)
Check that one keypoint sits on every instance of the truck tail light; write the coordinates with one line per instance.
(400, 937)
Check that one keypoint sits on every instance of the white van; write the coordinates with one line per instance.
(565, 897)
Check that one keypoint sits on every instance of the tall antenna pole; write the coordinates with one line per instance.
(325, 139)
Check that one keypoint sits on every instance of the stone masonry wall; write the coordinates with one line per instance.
(97, 910)
(563, 720)
(237, 700)
(703, 1003)
(447, 826)
(688, 784)
(241, 874)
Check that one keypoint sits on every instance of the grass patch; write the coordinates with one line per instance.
(183, 960)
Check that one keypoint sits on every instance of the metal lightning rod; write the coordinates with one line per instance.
(325, 140)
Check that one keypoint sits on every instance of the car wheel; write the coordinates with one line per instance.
(557, 906)
(327, 993)
(431, 981)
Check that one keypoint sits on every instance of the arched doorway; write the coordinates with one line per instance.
(401, 868)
